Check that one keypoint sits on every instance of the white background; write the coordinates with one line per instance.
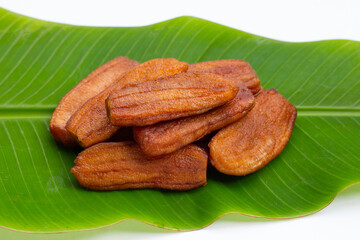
(283, 20)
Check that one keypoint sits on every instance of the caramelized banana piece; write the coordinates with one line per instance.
(167, 98)
(252, 142)
(93, 84)
(122, 165)
(166, 137)
(234, 69)
(90, 124)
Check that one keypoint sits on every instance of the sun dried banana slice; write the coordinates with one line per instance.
(234, 69)
(167, 98)
(252, 142)
(93, 84)
(122, 165)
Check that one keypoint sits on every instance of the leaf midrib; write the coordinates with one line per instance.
(31, 112)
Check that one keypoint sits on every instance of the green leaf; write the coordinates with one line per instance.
(41, 61)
